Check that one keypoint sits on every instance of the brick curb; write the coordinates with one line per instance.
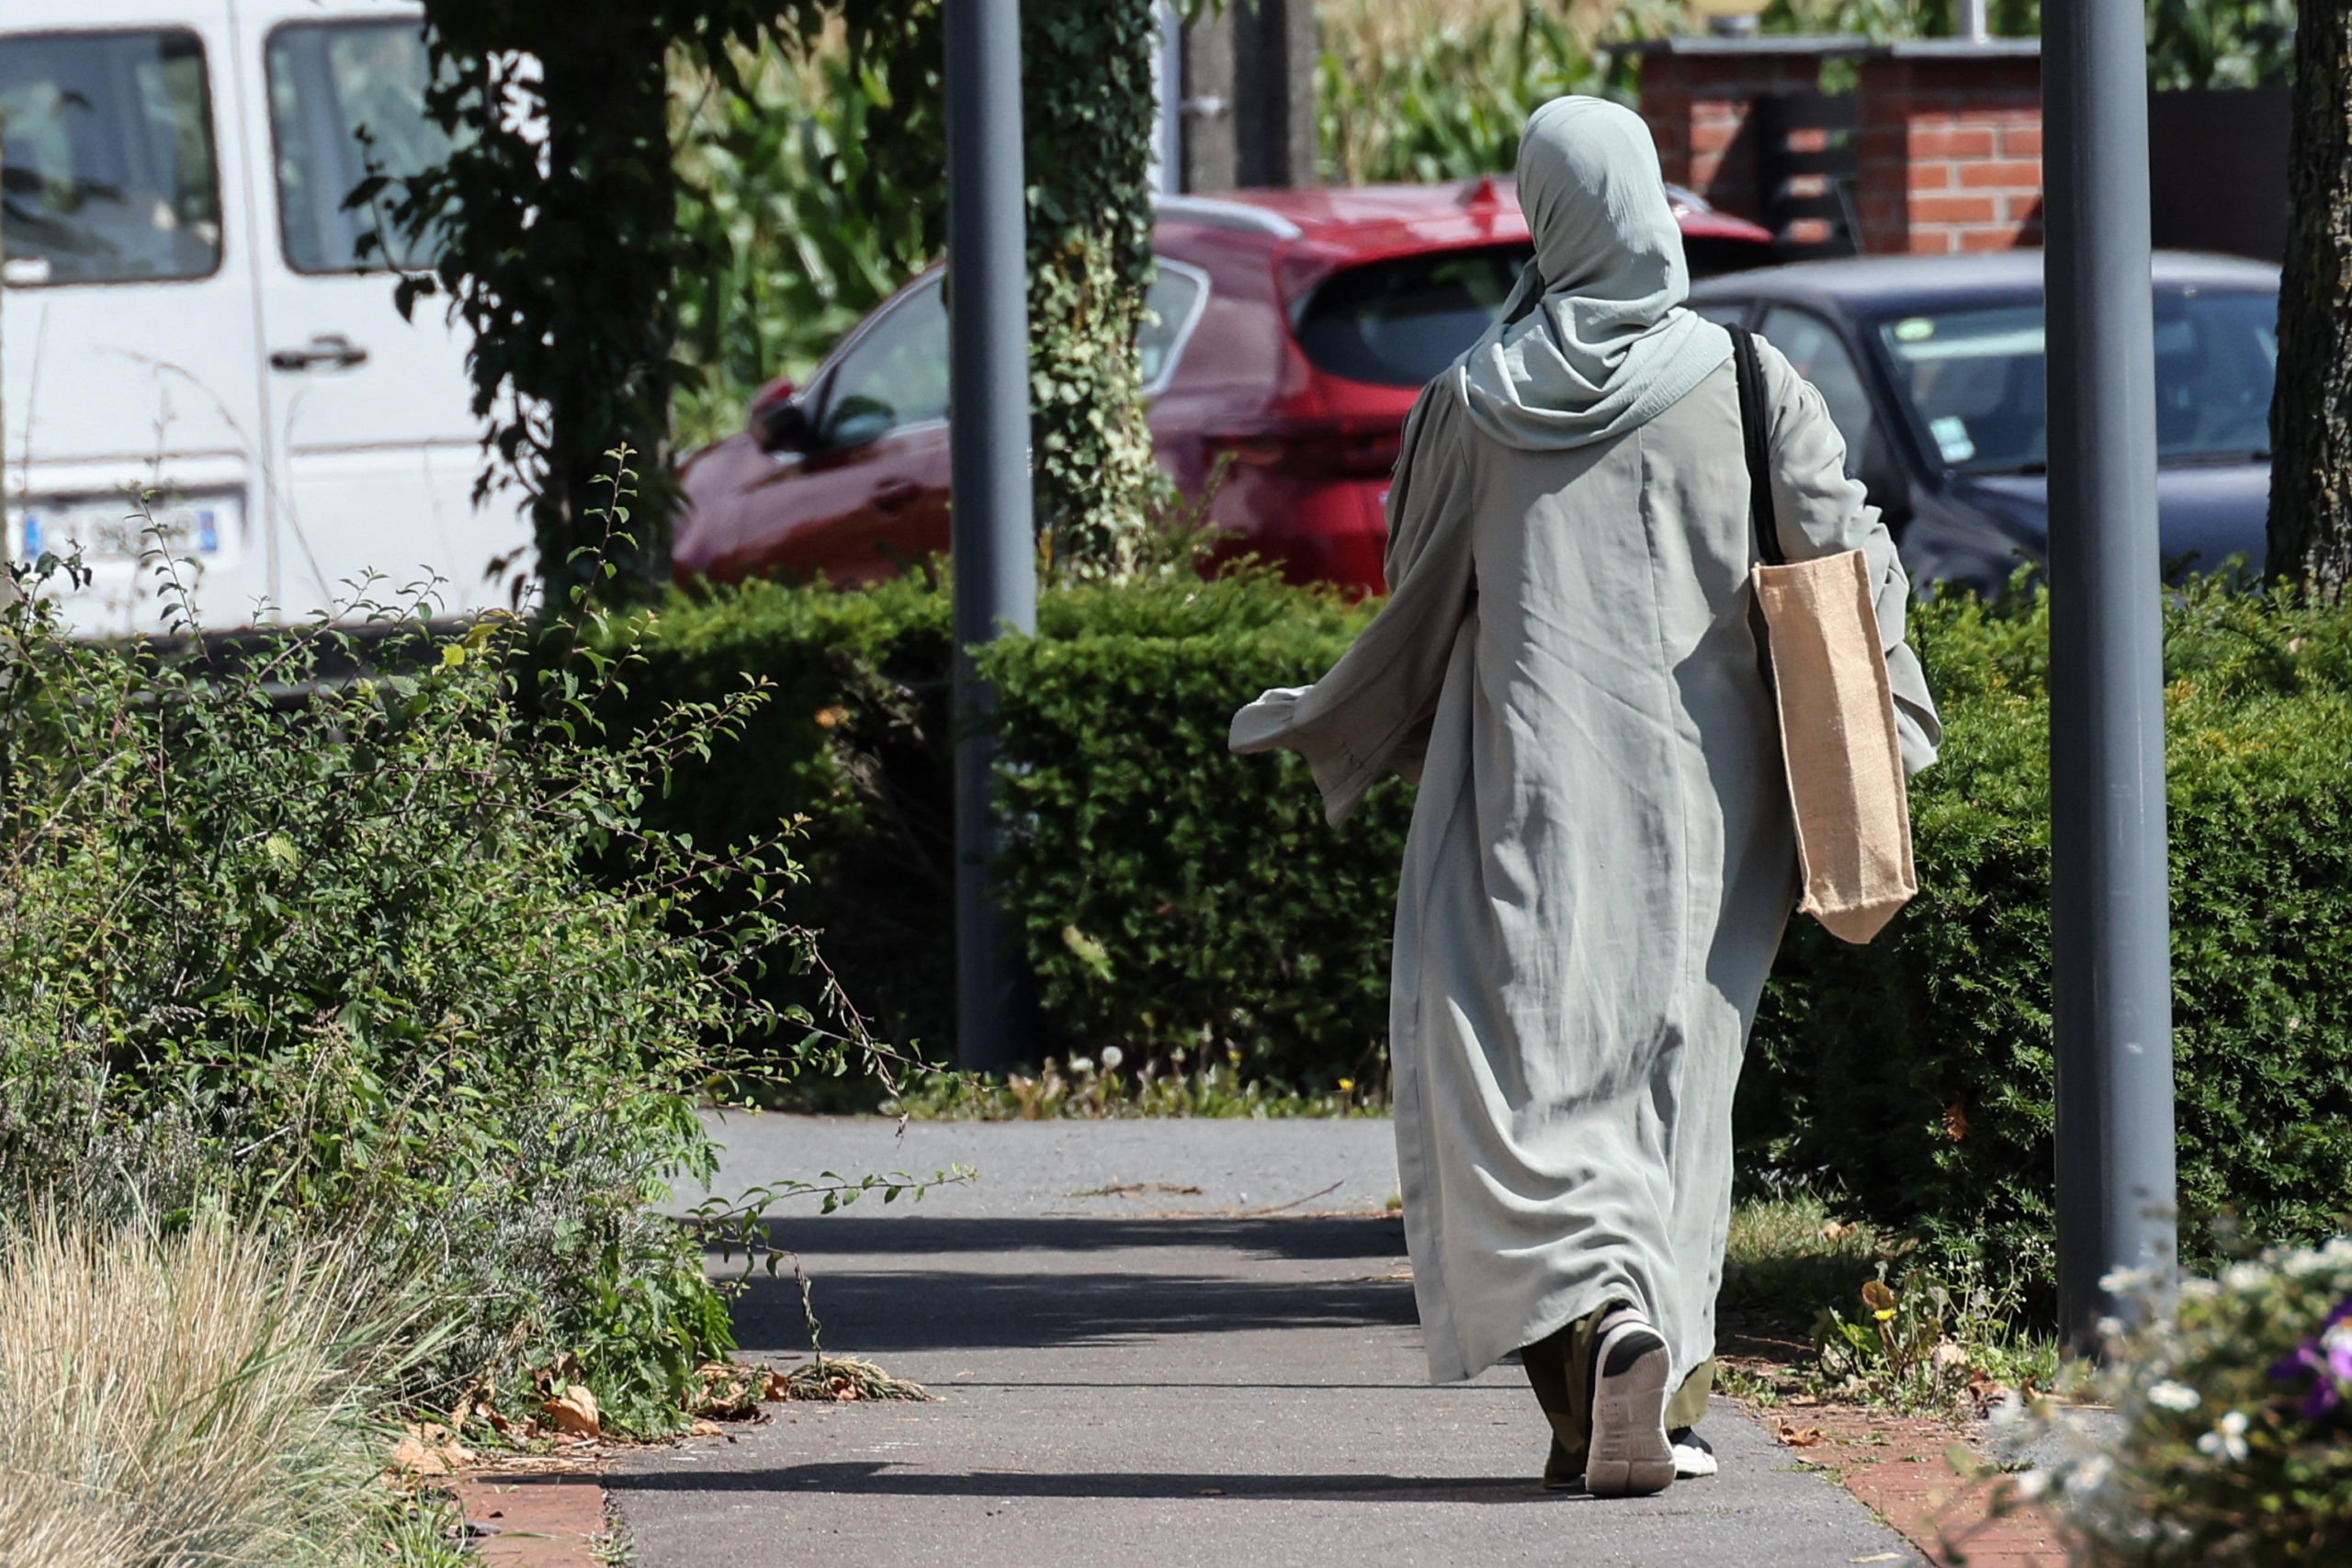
(540, 1519)
(1897, 1466)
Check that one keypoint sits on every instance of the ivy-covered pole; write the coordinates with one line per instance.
(991, 533)
(1087, 102)
(2109, 917)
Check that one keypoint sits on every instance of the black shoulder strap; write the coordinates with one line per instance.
(1761, 515)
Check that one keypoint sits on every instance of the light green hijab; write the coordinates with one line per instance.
(1594, 341)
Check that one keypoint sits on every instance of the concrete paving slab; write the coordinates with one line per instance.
(1211, 1389)
(1090, 1168)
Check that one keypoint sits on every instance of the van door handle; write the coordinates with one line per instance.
(330, 351)
(894, 495)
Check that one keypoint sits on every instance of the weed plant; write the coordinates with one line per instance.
(1081, 1089)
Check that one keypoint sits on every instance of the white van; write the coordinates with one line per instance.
(184, 310)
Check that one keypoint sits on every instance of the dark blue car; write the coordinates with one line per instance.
(1932, 365)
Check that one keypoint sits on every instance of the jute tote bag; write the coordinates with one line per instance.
(1828, 677)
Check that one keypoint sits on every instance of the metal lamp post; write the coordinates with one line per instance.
(991, 535)
(2109, 917)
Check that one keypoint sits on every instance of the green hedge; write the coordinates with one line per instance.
(1916, 1072)
(1171, 894)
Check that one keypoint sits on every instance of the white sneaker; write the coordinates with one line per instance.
(1630, 1456)
(1692, 1456)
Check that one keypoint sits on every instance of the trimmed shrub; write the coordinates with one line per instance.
(1173, 898)
(851, 753)
(1171, 895)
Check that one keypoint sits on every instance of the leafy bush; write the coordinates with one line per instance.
(2235, 1411)
(852, 744)
(327, 954)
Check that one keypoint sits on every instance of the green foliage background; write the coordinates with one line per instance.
(1171, 894)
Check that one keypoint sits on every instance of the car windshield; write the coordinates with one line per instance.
(1974, 380)
(1397, 324)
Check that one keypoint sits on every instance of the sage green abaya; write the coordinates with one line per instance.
(1600, 861)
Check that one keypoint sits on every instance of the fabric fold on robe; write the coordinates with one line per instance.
(1600, 861)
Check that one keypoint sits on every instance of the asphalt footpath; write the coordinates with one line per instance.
(1157, 1343)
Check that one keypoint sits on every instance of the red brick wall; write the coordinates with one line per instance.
(1696, 106)
(1952, 153)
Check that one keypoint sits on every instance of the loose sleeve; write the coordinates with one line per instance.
(1372, 712)
(1822, 512)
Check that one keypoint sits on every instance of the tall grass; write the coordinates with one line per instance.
(193, 1398)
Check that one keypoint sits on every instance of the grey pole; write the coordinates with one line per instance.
(2109, 921)
(991, 533)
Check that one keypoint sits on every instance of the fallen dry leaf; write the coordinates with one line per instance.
(413, 1457)
(704, 1430)
(1797, 1439)
(575, 1411)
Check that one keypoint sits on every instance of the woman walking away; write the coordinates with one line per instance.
(1601, 857)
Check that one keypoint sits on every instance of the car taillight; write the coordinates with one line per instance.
(1314, 448)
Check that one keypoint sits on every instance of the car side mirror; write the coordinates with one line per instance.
(777, 419)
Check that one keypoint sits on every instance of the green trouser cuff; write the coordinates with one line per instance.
(1559, 1369)
(1690, 1400)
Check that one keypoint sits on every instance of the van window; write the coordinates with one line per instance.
(107, 165)
(1397, 324)
(346, 98)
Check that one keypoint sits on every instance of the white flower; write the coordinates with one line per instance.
(2226, 1440)
(2199, 1290)
(2174, 1396)
(2033, 1483)
(2244, 1276)
(2127, 1282)
(2109, 1327)
(2089, 1475)
(1112, 1057)
(1081, 1063)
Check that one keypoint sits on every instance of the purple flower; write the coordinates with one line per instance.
(2326, 1359)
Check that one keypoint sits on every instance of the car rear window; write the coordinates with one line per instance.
(1398, 323)
(109, 161)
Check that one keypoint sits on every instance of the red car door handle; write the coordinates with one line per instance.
(894, 495)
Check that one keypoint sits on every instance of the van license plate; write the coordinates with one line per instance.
(115, 529)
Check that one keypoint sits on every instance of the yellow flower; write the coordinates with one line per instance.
(1883, 1314)
(1347, 1085)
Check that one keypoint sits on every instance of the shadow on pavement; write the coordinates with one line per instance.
(1306, 1237)
(882, 1480)
(898, 1310)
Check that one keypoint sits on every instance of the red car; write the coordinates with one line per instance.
(1289, 330)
